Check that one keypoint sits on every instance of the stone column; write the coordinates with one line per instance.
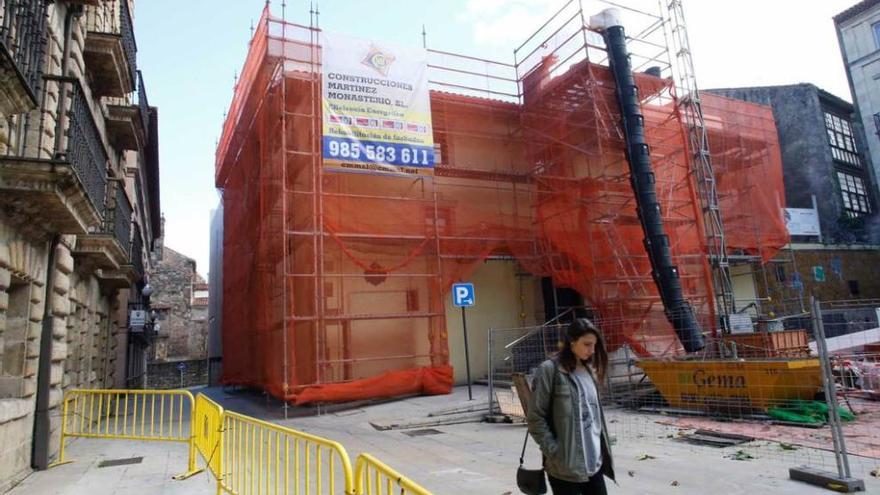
(60, 308)
(34, 329)
(5, 280)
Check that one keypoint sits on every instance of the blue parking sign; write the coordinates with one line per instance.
(463, 295)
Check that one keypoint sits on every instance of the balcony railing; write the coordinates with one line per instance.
(85, 150)
(121, 219)
(127, 121)
(114, 17)
(128, 43)
(143, 105)
(75, 141)
(137, 255)
(23, 39)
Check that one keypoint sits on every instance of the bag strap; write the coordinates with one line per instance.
(523, 454)
(549, 413)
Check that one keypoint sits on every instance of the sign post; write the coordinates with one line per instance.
(181, 367)
(463, 297)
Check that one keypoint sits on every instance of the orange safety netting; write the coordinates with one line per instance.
(334, 283)
(748, 169)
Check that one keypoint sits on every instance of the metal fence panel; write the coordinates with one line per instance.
(373, 477)
(154, 415)
(261, 457)
(747, 397)
(208, 426)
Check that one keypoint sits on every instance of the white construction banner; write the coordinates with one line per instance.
(802, 221)
(376, 106)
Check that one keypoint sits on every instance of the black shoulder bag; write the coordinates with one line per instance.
(532, 481)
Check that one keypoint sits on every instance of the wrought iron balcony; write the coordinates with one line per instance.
(127, 121)
(143, 104)
(85, 151)
(110, 49)
(54, 165)
(22, 47)
(137, 253)
(121, 219)
(132, 270)
(109, 248)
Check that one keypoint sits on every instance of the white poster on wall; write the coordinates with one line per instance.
(377, 111)
(802, 221)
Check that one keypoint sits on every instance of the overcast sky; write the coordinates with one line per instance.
(190, 51)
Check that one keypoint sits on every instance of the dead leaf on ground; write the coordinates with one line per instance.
(741, 455)
(645, 457)
(631, 474)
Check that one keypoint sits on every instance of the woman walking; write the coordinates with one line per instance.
(565, 416)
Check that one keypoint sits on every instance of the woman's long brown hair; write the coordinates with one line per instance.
(599, 361)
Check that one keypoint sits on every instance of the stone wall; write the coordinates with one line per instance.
(167, 375)
(22, 293)
(83, 348)
(182, 318)
(87, 321)
(845, 268)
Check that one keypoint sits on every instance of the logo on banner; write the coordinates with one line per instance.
(378, 60)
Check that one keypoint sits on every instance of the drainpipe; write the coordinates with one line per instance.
(42, 425)
(678, 310)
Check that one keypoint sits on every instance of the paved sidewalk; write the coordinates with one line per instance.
(161, 461)
(481, 458)
(456, 459)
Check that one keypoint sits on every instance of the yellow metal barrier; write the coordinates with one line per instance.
(373, 477)
(160, 415)
(246, 455)
(208, 424)
(261, 458)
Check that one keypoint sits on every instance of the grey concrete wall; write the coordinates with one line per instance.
(215, 283)
(861, 56)
(215, 301)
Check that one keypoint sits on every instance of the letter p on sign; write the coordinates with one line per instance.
(463, 295)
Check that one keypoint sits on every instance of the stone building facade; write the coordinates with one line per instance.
(858, 33)
(823, 157)
(180, 301)
(79, 208)
(827, 168)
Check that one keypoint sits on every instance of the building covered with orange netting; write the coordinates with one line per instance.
(336, 285)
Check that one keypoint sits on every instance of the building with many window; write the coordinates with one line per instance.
(858, 32)
(829, 181)
(823, 158)
(79, 209)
